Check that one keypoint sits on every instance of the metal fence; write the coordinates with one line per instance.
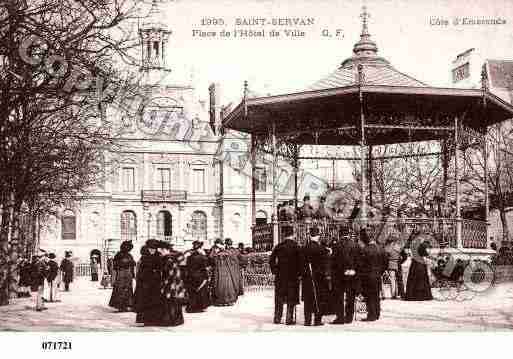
(473, 232)
(257, 274)
(82, 270)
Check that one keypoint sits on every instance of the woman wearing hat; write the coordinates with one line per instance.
(122, 293)
(148, 305)
(417, 285)
(226, 284)
(172, 286)
(197, 279)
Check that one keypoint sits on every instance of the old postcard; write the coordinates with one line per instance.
(270, 166)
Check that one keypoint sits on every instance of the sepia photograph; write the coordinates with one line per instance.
(255, 166)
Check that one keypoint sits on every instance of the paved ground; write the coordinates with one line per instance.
(85, 309)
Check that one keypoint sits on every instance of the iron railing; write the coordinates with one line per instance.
(82, 270)
(443, 231)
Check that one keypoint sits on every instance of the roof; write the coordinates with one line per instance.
(329, 112)
(372, 75)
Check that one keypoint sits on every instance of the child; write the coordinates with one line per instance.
(38, 273)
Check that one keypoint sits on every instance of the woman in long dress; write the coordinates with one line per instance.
(148, 302)
(226, 286)
(197, 279)
(172, 287)
(418, 286)
(123, 267)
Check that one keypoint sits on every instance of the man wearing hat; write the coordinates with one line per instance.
(291, 210)
(321, 212)
(355, 212)
(52, 278)
(197, 279)
(282, 211)
(346, 257)
(285, 263)
(306, 211)
(374, 262)
(316, 278)
(67, 269)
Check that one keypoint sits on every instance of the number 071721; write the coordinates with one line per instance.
(61, 345)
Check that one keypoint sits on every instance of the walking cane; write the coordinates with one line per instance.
(314, 288)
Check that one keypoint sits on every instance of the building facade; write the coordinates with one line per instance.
(174, 175)
(468, 71)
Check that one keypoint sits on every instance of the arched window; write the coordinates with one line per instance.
(69, 225)
(261, 217)
(164, 224)
(199, 225)
(128, 226)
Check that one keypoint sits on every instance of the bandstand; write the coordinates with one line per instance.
(366, 102)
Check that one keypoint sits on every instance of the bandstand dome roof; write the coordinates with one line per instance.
(329, 111)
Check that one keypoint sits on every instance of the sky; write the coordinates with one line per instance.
(400, 28)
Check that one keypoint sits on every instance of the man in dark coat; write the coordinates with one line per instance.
(316, 278)
(285, 263)
(373, 264)
(197, 279)
(346, 256)
(355, 211)
(67, 270)
(321, 212)
(306, 211)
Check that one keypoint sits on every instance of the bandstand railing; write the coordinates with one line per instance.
(473, 232)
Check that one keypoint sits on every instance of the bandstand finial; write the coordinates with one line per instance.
(365, 15)
(365, 47)
(246, 88)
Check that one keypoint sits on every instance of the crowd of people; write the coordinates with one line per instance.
(166, 280)
(41, 277)
(331, 275)
(288, 211)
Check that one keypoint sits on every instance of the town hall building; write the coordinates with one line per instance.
(174, 177)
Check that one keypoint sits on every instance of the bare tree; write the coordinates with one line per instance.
(61, 62)
(406, 176)
(500, 172)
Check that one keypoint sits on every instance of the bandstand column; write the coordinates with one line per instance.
(253, 180)
(457, 156)
(486, 191)
(445, 165)
(296, 169)
(369, 171)
(275, 193)
(363, 196)
(484, 89)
